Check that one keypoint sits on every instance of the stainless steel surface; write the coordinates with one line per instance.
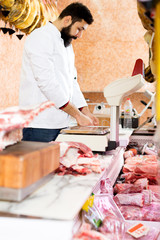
(93, 130)
(141, 139)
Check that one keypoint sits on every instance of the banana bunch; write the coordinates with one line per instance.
(27, 15)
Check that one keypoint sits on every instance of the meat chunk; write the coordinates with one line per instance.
(128, 188)
(147, 213)
(14, 118)
(82, 148)
(86, 233)
(135, 199)
(77, 158)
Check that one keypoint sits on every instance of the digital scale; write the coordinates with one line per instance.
(100, 138)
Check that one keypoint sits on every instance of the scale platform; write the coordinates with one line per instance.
(95, 137)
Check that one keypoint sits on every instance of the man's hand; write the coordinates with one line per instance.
(81, 118)
(87, 112)
(84, 120)
(94, 119)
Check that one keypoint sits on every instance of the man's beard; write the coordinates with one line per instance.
(65, 35)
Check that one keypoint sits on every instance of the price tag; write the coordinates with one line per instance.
(138, 230)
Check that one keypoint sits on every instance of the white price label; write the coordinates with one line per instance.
(138, 230)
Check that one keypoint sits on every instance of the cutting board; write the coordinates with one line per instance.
(26, 162)
(95, 130)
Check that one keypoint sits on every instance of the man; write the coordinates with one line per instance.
(48, 73)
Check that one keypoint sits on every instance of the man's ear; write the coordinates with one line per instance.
(67, 21)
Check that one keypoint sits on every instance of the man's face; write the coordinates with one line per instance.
(73, 31)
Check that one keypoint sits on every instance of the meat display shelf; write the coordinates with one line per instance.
(111, 172)
(141, 137)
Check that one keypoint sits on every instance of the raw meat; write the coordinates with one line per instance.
(141, 166)
(131, 177)
(128, 188)
(106, 186)
(142, 182)
(155, 192)
(155, 188)
(129, 168)
(105, 207)
(114, 226)
(76, 158)
(146, 168)
(86, 233)
(135, 199)
(150, 169)
(88, 161)
(14, 118)
(96, 169)
(83, 149)
(81, 169)
(9, 138)
(147, 213)
(141, 159)
(147, 197)
(121, 187)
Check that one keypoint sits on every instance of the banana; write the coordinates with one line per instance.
(17, 10)
(25, 14)
(35, 22)
(7, 4)
(33, 12)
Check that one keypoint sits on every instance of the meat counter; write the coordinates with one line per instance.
(56, 205)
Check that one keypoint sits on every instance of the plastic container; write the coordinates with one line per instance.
(127, 114)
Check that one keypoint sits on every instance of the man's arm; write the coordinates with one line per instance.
(85, 110)
(82, 119)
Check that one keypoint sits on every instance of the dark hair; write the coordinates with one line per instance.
(77, 11)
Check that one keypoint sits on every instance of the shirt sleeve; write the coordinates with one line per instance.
(39, 50)
(78, 98)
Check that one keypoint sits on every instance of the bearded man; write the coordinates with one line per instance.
(48, 73)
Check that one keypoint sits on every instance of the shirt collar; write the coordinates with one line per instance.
(56, 31)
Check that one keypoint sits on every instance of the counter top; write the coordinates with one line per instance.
(62, 197)
(59, 199)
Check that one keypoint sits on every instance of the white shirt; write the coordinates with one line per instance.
(48, 73)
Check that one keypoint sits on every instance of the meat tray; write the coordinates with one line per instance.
(93, 130)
